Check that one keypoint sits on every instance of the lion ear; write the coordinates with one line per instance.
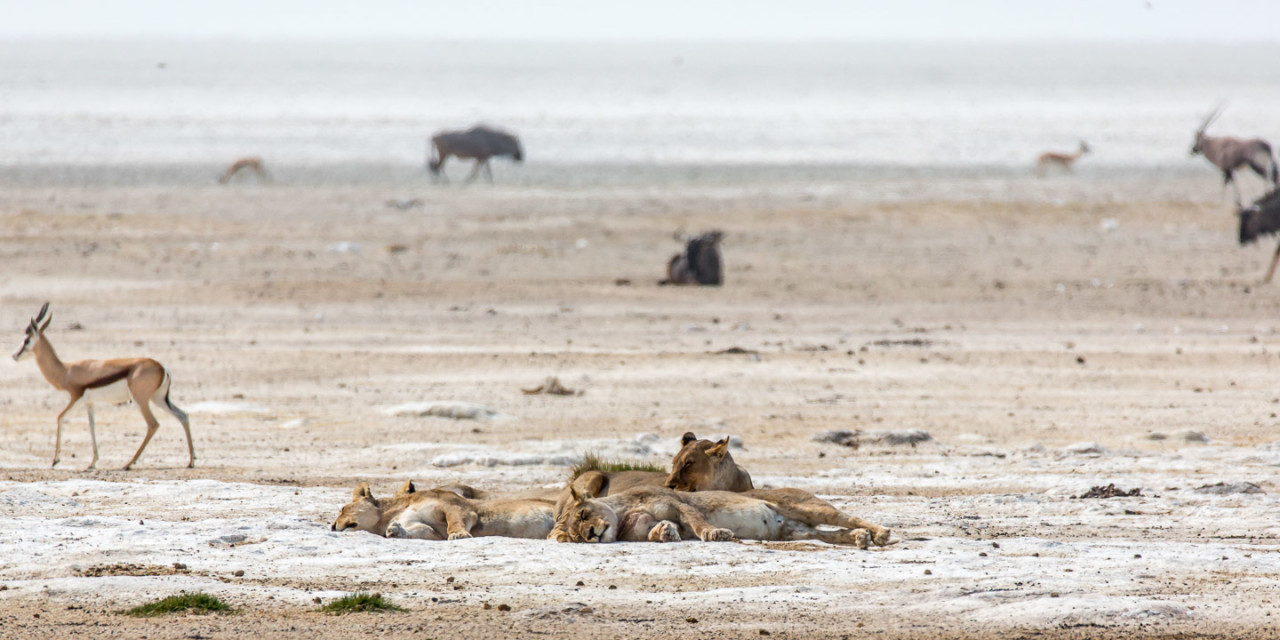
(362, 491)
(408, 488)
(687, 438)
(577, 497)
(719, 449)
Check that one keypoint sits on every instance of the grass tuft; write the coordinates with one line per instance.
(192, 602)
(360, 603)
(591, 461)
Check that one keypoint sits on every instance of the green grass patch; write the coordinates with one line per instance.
(591, 461)
(188, 602)
(360, 603)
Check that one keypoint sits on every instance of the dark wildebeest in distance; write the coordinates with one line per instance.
(247, 163)
(1229, 154)
(479, 143)
(1260, 219)
(699, 263)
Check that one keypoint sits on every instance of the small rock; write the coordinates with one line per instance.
(239, 573)
(504, 607)
(1223, 488)
(691, 620)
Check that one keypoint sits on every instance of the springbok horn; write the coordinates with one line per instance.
(43, 310)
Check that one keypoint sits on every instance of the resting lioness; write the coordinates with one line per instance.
(662, 515)
(701, 465)
(444, 512)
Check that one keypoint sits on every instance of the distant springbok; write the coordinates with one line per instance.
(247, 163)
(1260, 219)
(699, 263)
(91, 382)
(1060, 159)
(1229, 154)
(479, 143)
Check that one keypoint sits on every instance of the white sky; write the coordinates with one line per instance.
(857, 20)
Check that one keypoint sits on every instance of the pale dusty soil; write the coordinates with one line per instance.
(1006, 319)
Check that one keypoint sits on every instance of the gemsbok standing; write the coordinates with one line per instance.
(479, 143)
(1061, 159)
(91, 382)
(1230, 154)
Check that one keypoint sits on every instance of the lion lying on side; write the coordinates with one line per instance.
(662, 515)
(702, 465)
(448, 512)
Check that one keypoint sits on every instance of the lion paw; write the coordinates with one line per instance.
(665, 531)
(717, 535)
(394, 530)
(881, 537)
(558, 535)
(459, 535)
(861, 538)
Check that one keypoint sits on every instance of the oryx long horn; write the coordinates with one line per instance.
(1217, 111)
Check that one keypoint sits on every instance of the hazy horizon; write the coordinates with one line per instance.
(988, 21)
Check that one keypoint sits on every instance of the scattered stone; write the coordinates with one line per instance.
(1223, 488)
(1110, 491)
(1085, 449)
(691, 620)
(552, 611)
(239, 573)
(858, 438)
(622, 282)
(580, 584)
(487, 606)
(504, 607)
(1191, 435)
(928, 572)
(552, 386)
(736, 351)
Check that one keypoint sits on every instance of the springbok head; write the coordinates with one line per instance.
(1198, 147)
(34, 331)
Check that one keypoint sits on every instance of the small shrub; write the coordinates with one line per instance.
(360, 603)
(195, 602)
(591, 461)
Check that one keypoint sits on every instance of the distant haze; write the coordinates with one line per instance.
(857, 20)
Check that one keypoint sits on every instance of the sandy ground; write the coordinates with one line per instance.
(1050, 335)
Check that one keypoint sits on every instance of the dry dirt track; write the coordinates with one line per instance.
(1023, 314)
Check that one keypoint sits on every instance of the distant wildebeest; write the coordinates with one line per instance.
(1229, 154)
(1260, 219)
(1061, 159)
(247, 163)
(479, 143)
(699, 263)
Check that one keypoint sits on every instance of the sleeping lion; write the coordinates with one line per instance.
(657, 514)
(449, 512)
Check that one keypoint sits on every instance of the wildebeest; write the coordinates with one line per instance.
(247, 163)
(1229, 154)
(699, 263)
(1060, 158)
(1259, 219)
(479, 143)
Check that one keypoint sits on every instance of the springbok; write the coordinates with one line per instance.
(1229, 154)
(247, 163)
(91, 382)
(1060, 159)
(479, 143)
(1262, 218)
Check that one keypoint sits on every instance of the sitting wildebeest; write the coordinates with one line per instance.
(699, 263)
(1262, 218)
(479, 143)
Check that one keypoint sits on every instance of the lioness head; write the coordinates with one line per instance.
(694, 468)
(363, 512)
(587, 520)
